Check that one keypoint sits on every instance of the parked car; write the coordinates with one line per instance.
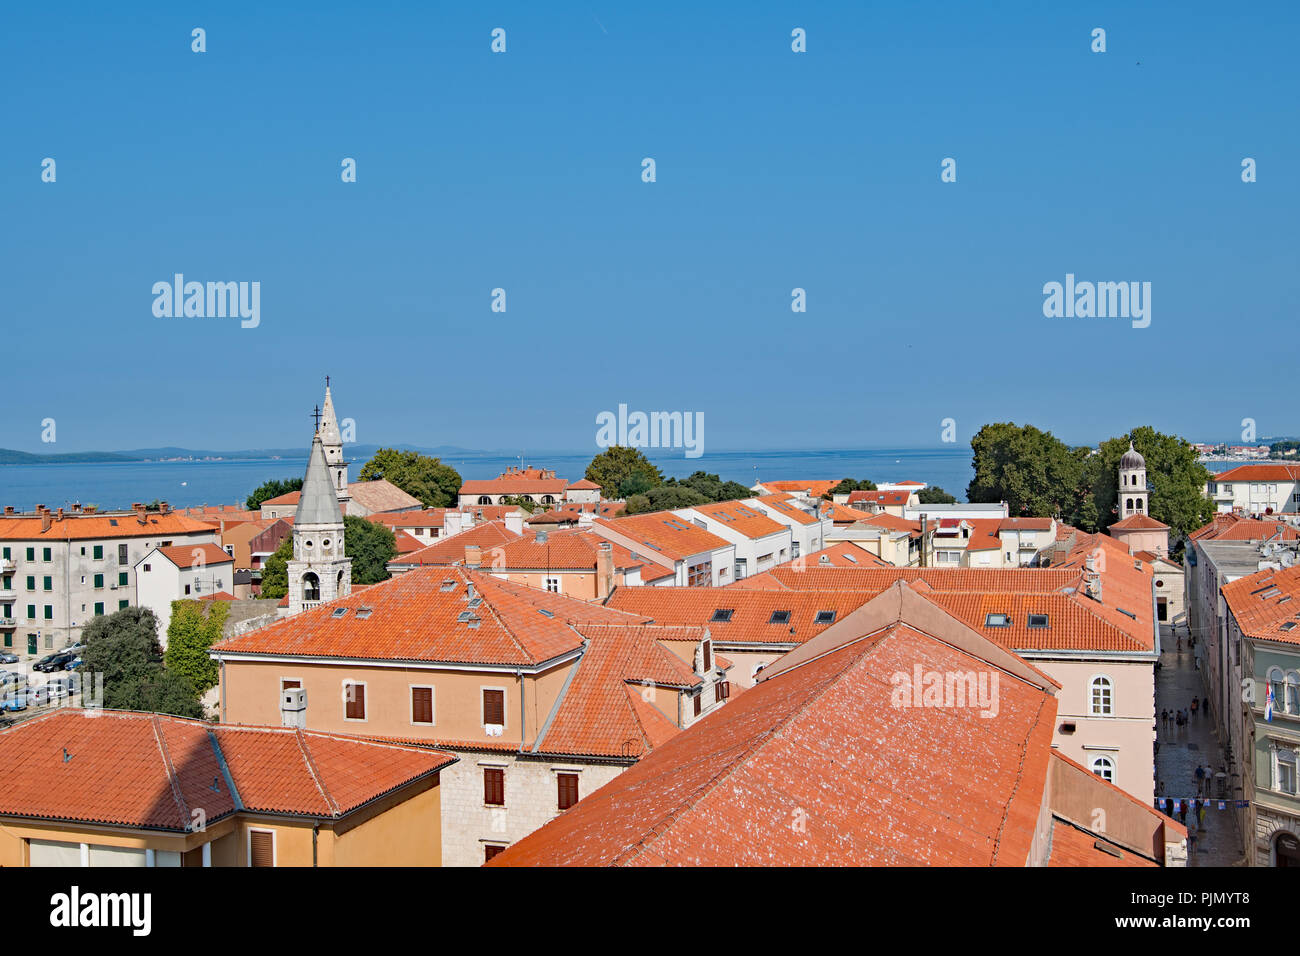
(8, 658)
(70, 683)
(14, 702)
(55, 691)
(7, 678)
(54, 662)
(73, 664)
(37, 696)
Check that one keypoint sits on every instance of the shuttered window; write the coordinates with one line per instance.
(421, 705)
(568, 789)
(490, 851)
(355, 699)
(261, 848)
(494, 707)
(696, 698)
(724, 689)
(494, 786)
(708, 656)
(286, 684)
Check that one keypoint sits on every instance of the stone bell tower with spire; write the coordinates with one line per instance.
(319, 570)
(331, 440)
(1132, 484)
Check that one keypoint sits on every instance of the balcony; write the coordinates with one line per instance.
(8, 594)
(8, 565)
(7, 623)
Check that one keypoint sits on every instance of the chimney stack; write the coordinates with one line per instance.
(9, 509)
(515, 522)
(139, 513)
(604, 569)
(46, 521)
(541, 537)
(60, 515)
(473, 556)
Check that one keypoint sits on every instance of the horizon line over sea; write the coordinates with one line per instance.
(191, 483)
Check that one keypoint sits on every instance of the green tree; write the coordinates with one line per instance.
(1175, 480)
(935, 496)
(637, 483)
(712, 487)
(848, 485)
(420, 476)
(1033, 471)
(616, 464)
(275, 572)
(123, 647)
(195, 626)
(272, 489)
(518, 501)
(371, 546)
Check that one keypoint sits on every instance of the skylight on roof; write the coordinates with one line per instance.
(1289, 624)
(363, 612)
(779, 617)
(825, 617)
(849, 557)
(997, 620)
(339, 612)
(1038, 620)
(545, 613)
(448, 585)
(722, 614)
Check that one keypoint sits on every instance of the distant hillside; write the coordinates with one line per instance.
(10, 456)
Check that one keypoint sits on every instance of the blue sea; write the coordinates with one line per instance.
(191, 483)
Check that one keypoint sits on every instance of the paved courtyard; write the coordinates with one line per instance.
(1218, 842)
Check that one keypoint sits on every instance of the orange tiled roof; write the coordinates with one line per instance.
(515, 486)
(741, 518)
(784, 503)
(83, 527)
(584, 484)
(451, 551)
(145, 770)
(418, 616)
(1074, 847)
(1025, 524)
(1139, 523)
(1261, 472)
(842, 514)
(408, 544)
(799, 756)
(814, 488)
(1265, 604)
(195, 555)
(598, 714)
(884, 498)
(218, 596)
(1233, 527)
(664, 532)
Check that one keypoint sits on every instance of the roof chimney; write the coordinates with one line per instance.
(139, 513)
(515, 522)
(541, 537)
(9, 509)
(604, 569)
(46, 521)
(473, 557)
(60, 515)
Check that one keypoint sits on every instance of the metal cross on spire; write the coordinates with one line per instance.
(315, 413)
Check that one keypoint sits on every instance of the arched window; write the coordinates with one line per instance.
(484, 500)
(339, 583)
(527, 498)
(1101, 697)
(1103, 767)
(1129, 505)
(548, 499)
(310, 587)
(1139, 505)
(1292, 692)
(1284, 775)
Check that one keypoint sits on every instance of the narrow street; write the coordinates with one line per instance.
(1183, 749)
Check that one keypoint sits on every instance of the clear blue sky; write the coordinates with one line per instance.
(522, 171)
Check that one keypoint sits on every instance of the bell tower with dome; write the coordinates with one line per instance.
(1132, 484)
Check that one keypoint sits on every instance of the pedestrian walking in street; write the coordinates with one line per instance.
(1164, 719)
(1193, 706)
(1200, 780)
(1182, 812)
(1200, 814)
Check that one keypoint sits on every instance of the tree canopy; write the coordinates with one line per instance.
(275, 572)
(420, 476)
(123, 647)
(371, 546)
(195, 626)
(272, 489)
(1033, 471)
(848, 485)
(1175, 480)
(619, 464)
(935, 495)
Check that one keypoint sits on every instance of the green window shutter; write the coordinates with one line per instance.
(48, 582)
(123, 604)
(99, 580)
(99, 607)
(31, 554)
(7, 553)
(31, 582)
(122, 579)
(31, 612)
(49, 612)
(47, 555)
(99, 552)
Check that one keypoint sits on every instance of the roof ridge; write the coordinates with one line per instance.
(156, 726)
(1020, 777)
(301, 738)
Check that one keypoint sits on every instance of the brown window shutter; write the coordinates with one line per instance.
(287, 684)
(356, 708)
(494, 786)
(568, 789)
(261, 845)
(494, 707)
(708, 656)
(724, 690)
(697, 704)
(422, 705)
(490, 851)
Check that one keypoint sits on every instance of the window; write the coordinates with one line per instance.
(261, 848)
(707, 654)
(489, 849)
(553, 585)
(722, 615)
(1101, 697)
(99, 552)
(494, 786)
(1038, 620)
(147, 568)
(421, 705)
(997, 620)
(779, 617)
(494, 707)
(47, 583)
(123, 604)
(1103, 767)
(700, 575)
(1278, 687)
(742, 568)
(47, 555)
(31, 612)
(31, 582)
(825, 617)
(1286, 771)
(122, 579)
(567, 785)
(99, 609)
(31, 554)
(99, 581)
(354, 698)
(696, 705)
(121, 554)
(722, 690)
(1292, 692)
(289, 683)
